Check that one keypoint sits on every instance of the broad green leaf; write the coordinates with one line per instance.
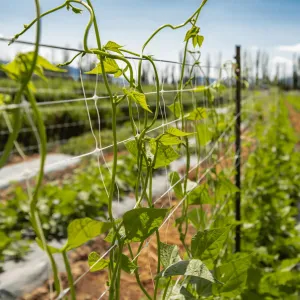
(288, 264)
(194, 267)
(138, 98)
(95, 263)
(168, 139)
(197, 114)
(224, 187)
(127, 265)
(204, 134)
(208, 244)
(50, 248)
(198, 218)
(44, 63)
(177, 132)
(177, 185)
(203, 286)
(112, 46)
(200, 195)
(132, 147)
(175, 109)
(234, 275)
(140, 223)
(165, 154)
(82, 230)
(169, 254)
(110, 67)
(4, 240)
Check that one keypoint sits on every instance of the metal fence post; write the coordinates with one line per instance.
(238, 148)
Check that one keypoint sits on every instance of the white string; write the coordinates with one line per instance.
(14, 106)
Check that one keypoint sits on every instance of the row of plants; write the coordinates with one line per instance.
(270, 197)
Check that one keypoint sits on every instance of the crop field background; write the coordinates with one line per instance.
(127, 176)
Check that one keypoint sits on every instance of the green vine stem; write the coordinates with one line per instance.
(70, 276)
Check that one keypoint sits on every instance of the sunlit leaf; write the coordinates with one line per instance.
(110, 67)
(96, 263)
(197, 114)
(194, 267)
(140, 223)
(200, 195)
(50, 248)
(191, 33)
(127, 265)
(4, 240)
(175, 109)
(138, 98)
(82, 230)
(208, 244)
(169, 254)
(234, 275)
(176, 184)
(177, 132)
(165, 154)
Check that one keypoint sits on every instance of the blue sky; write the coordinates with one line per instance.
(270, 25)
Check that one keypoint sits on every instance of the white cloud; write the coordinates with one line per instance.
(282, 60)
(290, 48)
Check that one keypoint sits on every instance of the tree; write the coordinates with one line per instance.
(257, 64)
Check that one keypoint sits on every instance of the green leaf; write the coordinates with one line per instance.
(197, 114)
(288, 264)
(208, 244)
(165, 154)
(177, 185)
(191, 33)
(200, 195)
(140, 223)
(82, 230)
(234, 275)
(177, 132)
(168, 139)
(138, 98)
(112, 46)
(4, 240)
(127, 265)
(198, 218)
(169, 254)
(95, 263)
(132, 147)
(224, 187)
(195, 41)
(110, 235)
(44, 63)
(76, 10)
(200, 39)
(204, 134)
(110, 67)
(175, 109)
(50, 248)
(194, 267)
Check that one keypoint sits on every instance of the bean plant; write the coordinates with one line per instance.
(208, 268)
